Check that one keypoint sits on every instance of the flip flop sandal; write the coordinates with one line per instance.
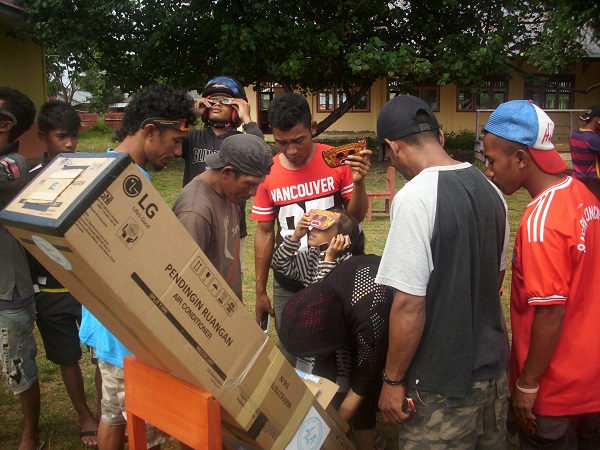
(83, 434)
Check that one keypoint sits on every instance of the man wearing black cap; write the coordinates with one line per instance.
(585, 145)
(443, 257)
(207, 206)
(555, 301)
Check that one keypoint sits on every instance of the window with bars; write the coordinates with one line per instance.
(555, 93)
(267, 91)
(330, 99)
(430, 93)
(488, 95)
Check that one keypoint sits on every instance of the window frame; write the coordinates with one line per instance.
(543, 89)
(336, 97)
(493, 84)
(417, 90)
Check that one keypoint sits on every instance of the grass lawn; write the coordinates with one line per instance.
(58, 422)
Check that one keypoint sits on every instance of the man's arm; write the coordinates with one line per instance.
(252, 128)
(358, 204)
(243, 110)
(198, 226)
(407, 321)
(264, 242)
(545, 334)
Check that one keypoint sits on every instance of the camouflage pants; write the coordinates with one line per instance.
(475, 421)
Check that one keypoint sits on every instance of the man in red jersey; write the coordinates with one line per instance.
(555, 304)
(299, 181)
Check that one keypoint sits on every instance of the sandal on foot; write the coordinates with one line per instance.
(84, 434)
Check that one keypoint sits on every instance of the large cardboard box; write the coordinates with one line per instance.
(101, 228)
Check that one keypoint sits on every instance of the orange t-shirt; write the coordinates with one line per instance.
(555, 260)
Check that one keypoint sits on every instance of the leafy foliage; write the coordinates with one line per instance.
(310, 45)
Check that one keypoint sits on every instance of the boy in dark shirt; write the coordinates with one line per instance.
(58, 312)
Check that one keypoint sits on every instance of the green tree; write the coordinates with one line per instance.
(69, 73)
(64, 74)
(313, 44)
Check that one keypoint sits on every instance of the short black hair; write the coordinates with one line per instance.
(56, 114)
(19, 105)
(159, 101)
(288, 110)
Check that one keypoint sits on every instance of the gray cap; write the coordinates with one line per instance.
(247, 153)
(398, 118)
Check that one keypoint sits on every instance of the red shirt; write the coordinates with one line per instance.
(555, 261)
(287, 194)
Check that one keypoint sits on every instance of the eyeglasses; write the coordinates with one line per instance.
(11, 116)
(222, 100)
(178, 124)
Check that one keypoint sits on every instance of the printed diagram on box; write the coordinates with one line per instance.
(130, 233)
(204, 273)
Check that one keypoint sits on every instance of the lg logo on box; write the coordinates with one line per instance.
(132, 186)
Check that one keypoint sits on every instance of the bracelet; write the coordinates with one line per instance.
(391, 382)
(525, 390)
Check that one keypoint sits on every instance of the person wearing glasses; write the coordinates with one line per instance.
(153, 129)
(223, 108)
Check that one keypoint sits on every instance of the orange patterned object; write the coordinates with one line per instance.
(336, 156)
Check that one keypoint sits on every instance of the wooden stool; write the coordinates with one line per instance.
(189, 414)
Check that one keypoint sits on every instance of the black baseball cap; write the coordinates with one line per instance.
(594, 111)
(398, 118)
(247, 153)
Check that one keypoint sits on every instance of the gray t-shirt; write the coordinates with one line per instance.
(16, 287)
(447, 243)
(214, 223)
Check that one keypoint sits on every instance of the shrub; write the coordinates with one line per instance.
(461, 145)
(100, 127)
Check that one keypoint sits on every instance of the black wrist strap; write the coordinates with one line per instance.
(391, 382)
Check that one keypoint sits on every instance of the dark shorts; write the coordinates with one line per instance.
(564, 433)
(58, 318)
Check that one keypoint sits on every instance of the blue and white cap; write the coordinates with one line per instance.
(523, 122)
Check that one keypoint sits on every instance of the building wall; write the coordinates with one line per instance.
(451, 120)
(22, 67)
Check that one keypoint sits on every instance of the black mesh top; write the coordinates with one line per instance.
(347, 307)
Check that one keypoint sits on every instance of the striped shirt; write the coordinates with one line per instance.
(585, 148)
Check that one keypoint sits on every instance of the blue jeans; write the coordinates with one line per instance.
(18, 348)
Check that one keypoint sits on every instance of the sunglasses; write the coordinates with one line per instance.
(178, 124)
(11, 116)
(221, 100)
